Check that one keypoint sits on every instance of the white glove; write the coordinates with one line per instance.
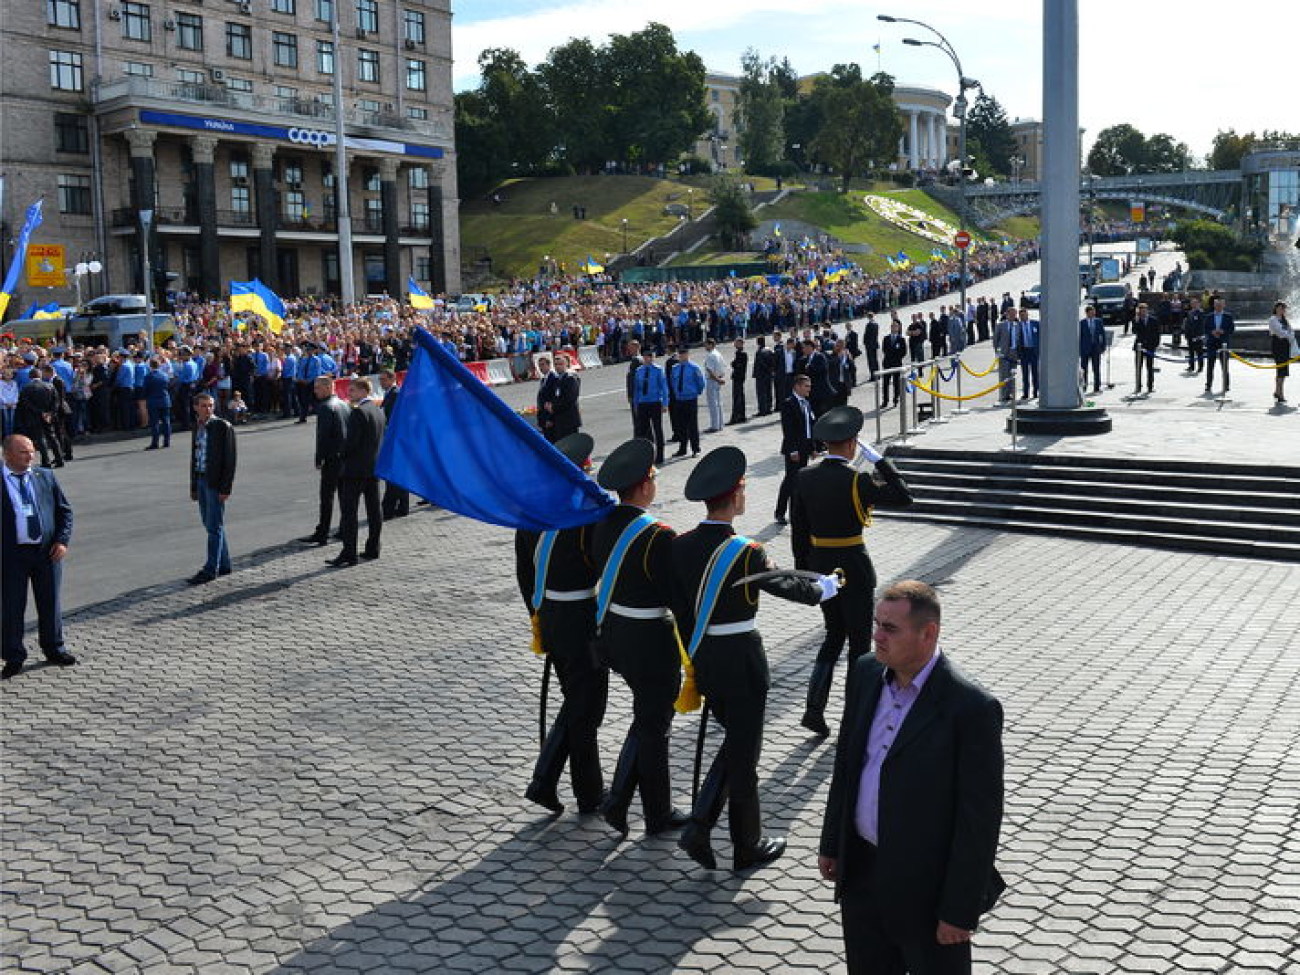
(872, 454)
(830, 587)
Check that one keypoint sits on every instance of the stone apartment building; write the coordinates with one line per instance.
(218, 115)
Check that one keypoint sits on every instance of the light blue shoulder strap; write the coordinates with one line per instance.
(542, 562)
(726, 556)
(609, 575)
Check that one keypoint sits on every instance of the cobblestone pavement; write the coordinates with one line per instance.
(294, 769)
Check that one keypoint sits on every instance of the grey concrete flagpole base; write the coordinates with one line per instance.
(1040, 421)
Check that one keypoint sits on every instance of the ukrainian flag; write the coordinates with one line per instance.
(19, 256)
(589, 266)
(418, 297)
(256, 297)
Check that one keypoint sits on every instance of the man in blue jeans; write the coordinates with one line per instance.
(212, 478)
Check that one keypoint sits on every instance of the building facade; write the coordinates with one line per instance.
(924, 145)
(718, 144)
(218, 117)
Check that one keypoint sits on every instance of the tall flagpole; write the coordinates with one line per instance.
(343, 212)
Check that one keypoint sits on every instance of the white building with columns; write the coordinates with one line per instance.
(924, 144)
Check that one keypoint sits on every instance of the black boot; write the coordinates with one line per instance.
(621, 789)
(708, 807)
(550, 763)
(819, 690)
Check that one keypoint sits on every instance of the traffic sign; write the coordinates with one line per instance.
(962, 240)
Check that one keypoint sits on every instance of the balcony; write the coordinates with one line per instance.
(162, 216)
(218, 100)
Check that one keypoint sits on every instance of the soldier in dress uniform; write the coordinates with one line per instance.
(727, 652)
(637, 635)
(830, 506)
(557, 578)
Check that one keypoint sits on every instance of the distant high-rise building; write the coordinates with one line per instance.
(218, 115)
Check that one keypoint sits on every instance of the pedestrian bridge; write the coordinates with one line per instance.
(1209, 192)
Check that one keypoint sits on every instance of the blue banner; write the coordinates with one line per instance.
(454, 442)
(301, 135)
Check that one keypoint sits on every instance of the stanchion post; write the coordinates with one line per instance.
(879, 430)
(960, 408)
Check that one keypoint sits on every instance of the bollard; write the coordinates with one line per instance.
(960, 409)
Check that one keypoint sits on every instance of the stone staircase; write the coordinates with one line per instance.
(1227, 509)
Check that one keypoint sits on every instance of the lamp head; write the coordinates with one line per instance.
(886, 18)
(913, 42)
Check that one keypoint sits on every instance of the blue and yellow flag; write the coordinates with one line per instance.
(256, 297)
(590, 266)
(418, 297)
(454, 442)
(19, 257)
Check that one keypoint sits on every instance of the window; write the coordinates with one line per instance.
(369, 105)
(295, 205)
(417, 112)
(63, 13)
(187, 76)
(189, 32)
(415, 77)
(65, 70)
(239, 41)
(370, 179)
(418, 178)
(241, 201)
(74, 193)
(367, 65)
(423, 269)
(239, 169)
(138, 69)
(325, 57)
(413, 26)
(325, 11)
(239, 84)
(284, 6)
(135, 22)
(286, 93)
(327, 174)
(71, 133)
(368, 15)
(374, 213)
(291, 172)
(419, 215)
(284, 49)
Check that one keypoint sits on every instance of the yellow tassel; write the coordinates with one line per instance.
(536, 645)
(688, 698)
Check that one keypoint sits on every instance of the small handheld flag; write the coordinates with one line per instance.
(257, 298)
(418, 297)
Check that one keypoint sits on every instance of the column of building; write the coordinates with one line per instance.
(203, 150)
(267, 217)
(143, 197)
(913, 140)
(388, 169)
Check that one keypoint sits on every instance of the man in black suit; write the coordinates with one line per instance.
(764, 375)
(331, 435)
(33, 541)
(817, 369)
(1219, 326)
(797, 444)
(548, 389)
(739, 367)
(212, 479)
(565, 417)
(633, 364)
(843, 374)
(871, 345)
(915, 805)
(397, 500)
(35, 416)
(787, 355)
(357, 475)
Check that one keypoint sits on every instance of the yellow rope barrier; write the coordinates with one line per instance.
(981, 375)
(1256, 365)
(957, 399)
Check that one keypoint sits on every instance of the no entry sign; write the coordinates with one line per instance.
(962, 240)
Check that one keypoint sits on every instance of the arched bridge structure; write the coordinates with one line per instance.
(1209, 192)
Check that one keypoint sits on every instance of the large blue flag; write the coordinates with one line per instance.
(453, 441)
(19, 256)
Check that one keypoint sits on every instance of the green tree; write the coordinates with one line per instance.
(655, 94)
(1117, 151)
(987, 126)
(514, 98)
(731, 211)
(575, 77)
(1162, 154)
(860, 125)
(1228, 148)
(760, 113)
(480, 145)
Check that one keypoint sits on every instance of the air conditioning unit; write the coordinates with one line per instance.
(217, 75)
(245, 7)
(361, 33)
(169, 24)
(411, 45)
(114, 13)
(239, 180)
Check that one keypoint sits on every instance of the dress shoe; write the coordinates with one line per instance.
(315, 540)
(225, 572)
(779, 518)
(200, 577)
(12, 668)
(592, 808)
(676, 820)
(763, 852)
(60, 658)
(695, 842)
(152, 446)
(615, 817)
(370, 556)
(342, 561)
(680, 453)
(816, 723)
(544, 797)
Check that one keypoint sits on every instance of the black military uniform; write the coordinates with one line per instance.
(730, 667)
(830, 506)
(638, 638)
(567, 625)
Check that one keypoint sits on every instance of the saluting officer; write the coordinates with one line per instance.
(831, 505)
(557, 578)
(727, 652)
(637, 634)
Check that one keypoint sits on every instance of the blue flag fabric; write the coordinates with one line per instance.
(453, 441)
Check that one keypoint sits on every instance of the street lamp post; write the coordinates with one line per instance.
(690, 203)
(625, 235)
(964, 84)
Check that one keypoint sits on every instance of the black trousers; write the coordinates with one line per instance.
(30, 565)
(644, 653)
(873, 945)
(1215, 357)
(329, 488)
(738, 402)
(1144, 361)
(848, 615)
(650, 426)
(687, 415)
(792, 468)
(567, 631)
(397, 501)
(42, 434)
(351, 491)
(763, 393)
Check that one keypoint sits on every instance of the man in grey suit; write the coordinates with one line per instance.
(33, 541)
(357, 476)
(1004, 346)
(331, 434)
(915, 805)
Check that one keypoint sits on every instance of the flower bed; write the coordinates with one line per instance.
(911, 219)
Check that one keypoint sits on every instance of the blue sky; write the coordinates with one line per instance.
(1188, 68)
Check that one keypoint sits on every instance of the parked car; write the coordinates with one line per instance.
(1033, 298)
(1109, 299)
(114, 305)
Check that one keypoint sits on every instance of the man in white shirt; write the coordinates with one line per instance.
(715, 377)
